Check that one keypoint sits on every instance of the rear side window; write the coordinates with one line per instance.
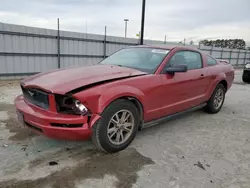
(189, 58)
(211, 61)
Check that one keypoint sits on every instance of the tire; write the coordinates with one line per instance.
(100, 130)
(245, 78)
(211, 107)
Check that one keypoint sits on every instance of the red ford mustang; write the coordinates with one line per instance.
(132, 89)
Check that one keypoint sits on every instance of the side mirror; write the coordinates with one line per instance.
(176, 68)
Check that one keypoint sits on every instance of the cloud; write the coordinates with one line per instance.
(177, 19)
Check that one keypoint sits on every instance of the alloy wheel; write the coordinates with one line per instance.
(120, 127)
(218, 98)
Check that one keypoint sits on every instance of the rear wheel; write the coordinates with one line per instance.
(117, 127)
(246, 78)
(216, 101)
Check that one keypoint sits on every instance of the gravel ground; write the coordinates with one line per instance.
(194, 151)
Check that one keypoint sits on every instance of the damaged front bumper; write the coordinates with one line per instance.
(53, 124)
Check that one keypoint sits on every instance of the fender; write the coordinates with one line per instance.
(214, 83)
(112, 94)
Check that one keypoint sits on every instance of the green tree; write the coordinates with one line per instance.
(225, 43)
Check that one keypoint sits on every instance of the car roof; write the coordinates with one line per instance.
(169, 47)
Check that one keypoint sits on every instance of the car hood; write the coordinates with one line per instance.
(65, 80)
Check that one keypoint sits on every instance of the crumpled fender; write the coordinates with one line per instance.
(112, 94)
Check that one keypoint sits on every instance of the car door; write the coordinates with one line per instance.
(184, 90)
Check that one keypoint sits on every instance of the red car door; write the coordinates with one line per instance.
(183, 90)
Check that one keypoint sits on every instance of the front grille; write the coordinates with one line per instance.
(36, 97)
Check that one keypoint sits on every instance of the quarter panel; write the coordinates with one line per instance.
(215, 74)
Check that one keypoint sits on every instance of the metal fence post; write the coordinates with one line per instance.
(245, 57)
(221, 56)
(230, 56)
(58, 44)
(104, 43)
(211, 50)
(238, 56)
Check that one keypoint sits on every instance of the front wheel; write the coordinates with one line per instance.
(216, 101)
(117, 127)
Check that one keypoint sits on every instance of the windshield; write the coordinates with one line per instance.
(143, 59)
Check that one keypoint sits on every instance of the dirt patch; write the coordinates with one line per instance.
(73, 154)
(9, 83)
(123, 165)
(12, 124)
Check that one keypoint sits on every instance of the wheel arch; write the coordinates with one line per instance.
(224, 83)
(221, 79)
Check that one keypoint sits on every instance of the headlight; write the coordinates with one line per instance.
(81, 108)
(247, 66)
(69, 105)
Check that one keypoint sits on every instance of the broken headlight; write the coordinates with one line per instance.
(80, 108)
(69, 105)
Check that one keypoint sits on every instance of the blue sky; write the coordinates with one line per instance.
(178, 19)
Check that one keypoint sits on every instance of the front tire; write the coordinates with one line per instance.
(117, 127)
(216, 101)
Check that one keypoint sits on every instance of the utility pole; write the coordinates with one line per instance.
(165, 40)
(105, 43)
(126, 26)
(142, 20)
(58, 44)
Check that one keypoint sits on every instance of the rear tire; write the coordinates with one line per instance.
(114, 122)
(245, 78)
(216, 101)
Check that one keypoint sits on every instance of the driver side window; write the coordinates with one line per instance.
(189, 58)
